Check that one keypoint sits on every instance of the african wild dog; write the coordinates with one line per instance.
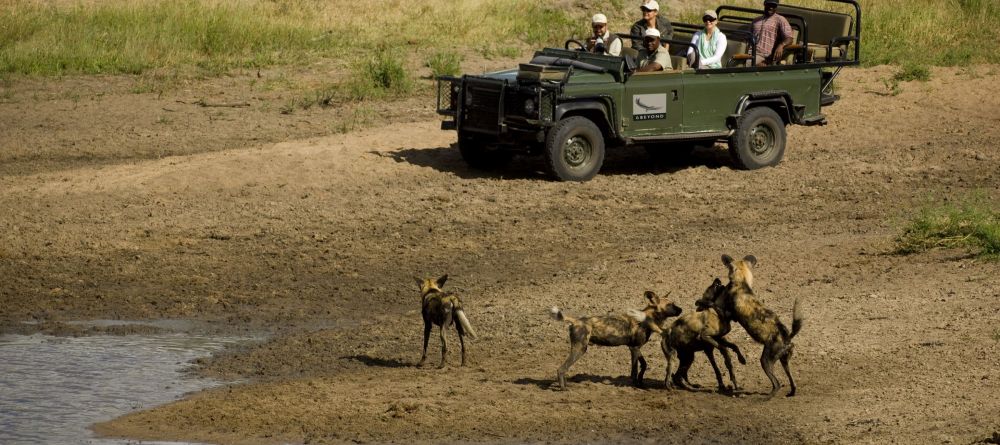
(702, 330)
(616, 330)
(760, 322)
(442, 308)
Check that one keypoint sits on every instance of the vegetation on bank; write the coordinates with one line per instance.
(972, 222)
(133, 36)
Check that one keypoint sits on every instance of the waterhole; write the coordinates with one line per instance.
(53, 388)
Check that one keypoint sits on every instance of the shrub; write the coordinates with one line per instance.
(444, 63)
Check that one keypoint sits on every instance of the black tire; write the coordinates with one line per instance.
(574, 149)
(480, 154)
(759, 139)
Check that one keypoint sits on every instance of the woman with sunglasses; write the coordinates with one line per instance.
(709, 42)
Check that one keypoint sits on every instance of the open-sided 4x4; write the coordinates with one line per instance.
(570, 105)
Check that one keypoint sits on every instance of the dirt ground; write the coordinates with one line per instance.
(125, 205)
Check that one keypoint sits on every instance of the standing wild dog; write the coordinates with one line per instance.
(442, 309)
(702, 330)
(760, 322)
(616, 330)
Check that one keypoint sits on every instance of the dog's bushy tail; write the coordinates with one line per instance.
(463, 321)
(557, 315)
(797, 318)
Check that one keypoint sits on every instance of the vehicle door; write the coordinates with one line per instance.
(652, 104)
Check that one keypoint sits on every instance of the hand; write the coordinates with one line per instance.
(779, 51)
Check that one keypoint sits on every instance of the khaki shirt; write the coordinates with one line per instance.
(661, 56)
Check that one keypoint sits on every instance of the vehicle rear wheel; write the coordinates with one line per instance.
(574, 149)
(479, 153)
(759, 139)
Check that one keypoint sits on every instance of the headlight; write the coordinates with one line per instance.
(529, 106)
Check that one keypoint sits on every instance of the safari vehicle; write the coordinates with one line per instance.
(569, 105)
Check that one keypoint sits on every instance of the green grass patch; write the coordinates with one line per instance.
(973, 222)
(444, 63)
(911, 72)
(381, 75)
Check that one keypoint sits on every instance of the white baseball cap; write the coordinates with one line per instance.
(650, 5)
(651, 32)
(599, 18)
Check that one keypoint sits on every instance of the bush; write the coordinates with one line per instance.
(444, 64)
(379, 76)
(913, 72)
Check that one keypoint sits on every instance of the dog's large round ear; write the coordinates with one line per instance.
(726, 259)
(420, 282)
(441, 280)
(652, 297)
(751, 259)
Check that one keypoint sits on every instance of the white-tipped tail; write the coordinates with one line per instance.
(638, 315)
(556, 313)
(466, 326)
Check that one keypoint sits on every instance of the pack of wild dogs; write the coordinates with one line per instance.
(703, 330)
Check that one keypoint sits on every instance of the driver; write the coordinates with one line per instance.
(603, 41)
(653, 56)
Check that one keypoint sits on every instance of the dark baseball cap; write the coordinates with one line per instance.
(770, 2)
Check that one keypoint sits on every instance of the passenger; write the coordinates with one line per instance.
(650, 20)
(603, 42)
(653, 57)
(771, 33)
(710, 43)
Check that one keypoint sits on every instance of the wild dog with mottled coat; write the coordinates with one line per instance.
(703, 330)
(616, 330)
(442, 309)
(760, 322)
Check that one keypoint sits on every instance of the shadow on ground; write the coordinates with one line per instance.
(634, 160)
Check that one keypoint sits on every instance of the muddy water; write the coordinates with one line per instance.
(53, 388)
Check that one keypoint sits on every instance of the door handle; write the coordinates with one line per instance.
(674, 92)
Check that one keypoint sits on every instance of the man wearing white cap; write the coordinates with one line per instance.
(653, 56)
(651, 19)
(603, 42)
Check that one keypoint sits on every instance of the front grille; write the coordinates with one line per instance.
(483, 100)
(447, 100)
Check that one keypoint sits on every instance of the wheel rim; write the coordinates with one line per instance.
(578, 151)
(761, 140)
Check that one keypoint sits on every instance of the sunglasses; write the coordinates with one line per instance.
(707, 19)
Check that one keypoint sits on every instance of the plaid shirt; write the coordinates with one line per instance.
(766, 31)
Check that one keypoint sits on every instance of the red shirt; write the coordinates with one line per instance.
(766, 31)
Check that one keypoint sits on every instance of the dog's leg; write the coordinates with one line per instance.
(685, 358)
(667, 354)
(461, 341)
(727, 344)
(576, 350)
(444, 343)
(709, 352)
(729, 367)
(638, 366)
(788, 371)
(427, 336)
(767, 359)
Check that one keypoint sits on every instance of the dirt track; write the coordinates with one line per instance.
(316, 240)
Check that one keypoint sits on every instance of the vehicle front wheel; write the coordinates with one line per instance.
(759, 139)
(574, 149)
(480, 154)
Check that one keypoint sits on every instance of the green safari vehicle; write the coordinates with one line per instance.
(570, 105)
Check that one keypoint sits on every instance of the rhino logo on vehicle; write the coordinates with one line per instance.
(649, 106)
